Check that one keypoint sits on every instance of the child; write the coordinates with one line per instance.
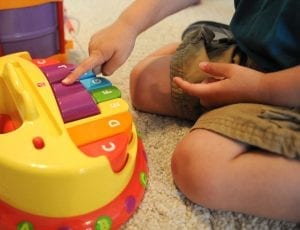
(243, 151)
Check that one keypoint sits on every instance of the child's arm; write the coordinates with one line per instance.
(233, 84)
(283, 87)
(110, 47)
(142, 14)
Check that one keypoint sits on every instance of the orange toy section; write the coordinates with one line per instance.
(40, 28)
(21, 3)
(70, 156)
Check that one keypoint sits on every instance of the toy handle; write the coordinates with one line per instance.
(21, 96)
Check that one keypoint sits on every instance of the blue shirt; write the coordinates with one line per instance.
(268, 31)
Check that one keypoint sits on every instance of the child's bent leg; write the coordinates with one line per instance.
(150, 82)
(220, 173)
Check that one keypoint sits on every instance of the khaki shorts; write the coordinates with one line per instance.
(275, 129)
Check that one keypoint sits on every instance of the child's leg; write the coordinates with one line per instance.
(221, 173)
(150, 82)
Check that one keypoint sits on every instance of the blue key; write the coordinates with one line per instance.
(95, 83)
(89, 74)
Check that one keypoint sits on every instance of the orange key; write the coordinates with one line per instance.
(97, 127)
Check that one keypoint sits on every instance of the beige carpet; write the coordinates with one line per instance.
(163, 207)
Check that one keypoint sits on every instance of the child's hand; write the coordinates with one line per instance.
(108, 49)
(229, 83)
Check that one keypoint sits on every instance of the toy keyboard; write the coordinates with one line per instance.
(70, 156)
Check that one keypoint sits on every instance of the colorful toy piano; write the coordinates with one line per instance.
(70, 156)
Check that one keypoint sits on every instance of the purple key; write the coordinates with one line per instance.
(57, 72)
(76, 106)
(61, 90)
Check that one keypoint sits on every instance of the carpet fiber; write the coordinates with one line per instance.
(163, 206)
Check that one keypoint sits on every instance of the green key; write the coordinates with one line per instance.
(106, 94)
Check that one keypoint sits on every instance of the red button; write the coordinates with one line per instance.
(38, 142)
(114, 148)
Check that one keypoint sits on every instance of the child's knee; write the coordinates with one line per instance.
(150, 86)
(197, 173)
(136, 87)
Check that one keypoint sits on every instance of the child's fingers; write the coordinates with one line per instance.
(88, 64)
(223, 70)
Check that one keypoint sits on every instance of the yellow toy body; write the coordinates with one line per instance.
(44, 170)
